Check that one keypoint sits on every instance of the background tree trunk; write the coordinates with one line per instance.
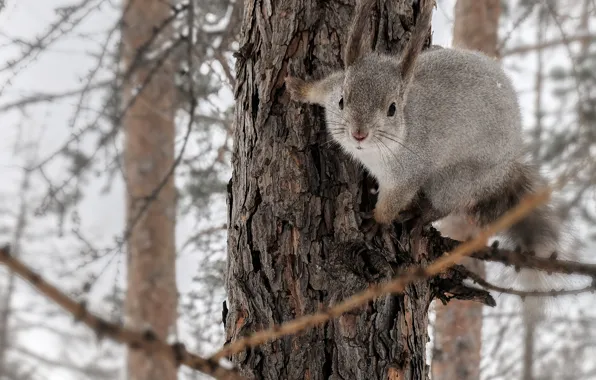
(295, 235)
(476, 25)
(457, 348)
(151, 299)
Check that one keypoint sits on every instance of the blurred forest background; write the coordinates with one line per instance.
(74, 76)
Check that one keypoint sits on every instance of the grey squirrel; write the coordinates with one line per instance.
(442, 122)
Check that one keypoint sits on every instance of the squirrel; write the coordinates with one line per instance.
(443, 122)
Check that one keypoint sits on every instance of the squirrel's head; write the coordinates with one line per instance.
(364, 104)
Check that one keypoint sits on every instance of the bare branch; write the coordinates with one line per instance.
(532, 293)
(522, 49)
(146, 341)
(49, 97)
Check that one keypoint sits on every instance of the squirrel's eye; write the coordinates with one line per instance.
(391, 110)
(341, 103)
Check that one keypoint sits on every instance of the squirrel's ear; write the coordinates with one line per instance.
(314, 91)
(414, 46)
(354, 48)
(298, 89)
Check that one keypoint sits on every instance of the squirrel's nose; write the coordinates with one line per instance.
(359, 136)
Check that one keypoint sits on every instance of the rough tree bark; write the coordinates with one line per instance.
(151, 299)
(457, 347)
(295, 235)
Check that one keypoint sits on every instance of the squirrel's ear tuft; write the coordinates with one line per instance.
(298, 89)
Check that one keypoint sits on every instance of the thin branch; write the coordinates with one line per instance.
(65, 23)
(523, 260)
(516, 24)
(90, 371)
(567, 45)
(522, 49)
(146, 341)
(49, 97)
(532, 293)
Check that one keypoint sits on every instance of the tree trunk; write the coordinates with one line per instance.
(151, 299)
(295, 235)
(476, 25)
(457, 349)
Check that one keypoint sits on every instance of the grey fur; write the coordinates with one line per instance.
(455, 136)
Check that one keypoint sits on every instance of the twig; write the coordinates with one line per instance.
(567, 46)
(49, 97)
(397, 285)
(146, 341)
(523, 260)
(532, 293)
(522, 49)
(520, 20)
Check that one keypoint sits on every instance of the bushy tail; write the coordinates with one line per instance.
(540, 233)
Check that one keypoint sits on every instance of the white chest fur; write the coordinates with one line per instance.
(379, 165)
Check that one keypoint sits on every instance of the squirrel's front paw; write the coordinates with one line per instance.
(385, 211)
(392, 205)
